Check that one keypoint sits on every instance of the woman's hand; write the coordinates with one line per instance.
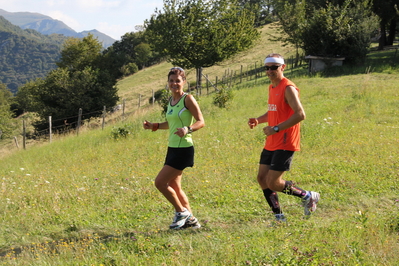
(181, 131)
(147, 125)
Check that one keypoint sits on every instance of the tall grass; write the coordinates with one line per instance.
(90, 200)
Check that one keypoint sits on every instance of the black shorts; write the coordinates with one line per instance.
(279, 160)
(180, 158)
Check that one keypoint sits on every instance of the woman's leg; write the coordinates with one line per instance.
(176, 185)
(168, 183)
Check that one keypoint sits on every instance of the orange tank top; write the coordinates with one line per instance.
(279, 111)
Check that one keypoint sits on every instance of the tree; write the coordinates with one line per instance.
(329, 29)
(77, 53)
(80, 81)
(26, 98)
(5, 113)
(132, 49)
(143, 54)
(292, 17)
(262, 10)
(198, 33)
(387, 11)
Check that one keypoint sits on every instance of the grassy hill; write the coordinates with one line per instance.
(90, 199)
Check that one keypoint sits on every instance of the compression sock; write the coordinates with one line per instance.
(272, 199)
(291, 189)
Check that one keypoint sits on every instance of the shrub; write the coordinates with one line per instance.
(223, 97)
(121, 132)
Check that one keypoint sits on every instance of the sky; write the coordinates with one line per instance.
(112, 17)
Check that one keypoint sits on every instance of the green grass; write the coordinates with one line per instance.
(90, 199)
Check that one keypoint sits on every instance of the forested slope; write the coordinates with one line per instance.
(26, 54)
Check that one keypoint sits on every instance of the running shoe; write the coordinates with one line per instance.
(280, 218)
(180, 219)
(192, 222)
(310, 204)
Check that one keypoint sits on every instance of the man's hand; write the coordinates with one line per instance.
(252, 122)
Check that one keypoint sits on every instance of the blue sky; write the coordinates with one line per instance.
(112, 17)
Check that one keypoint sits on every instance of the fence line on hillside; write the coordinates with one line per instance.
(229, 79)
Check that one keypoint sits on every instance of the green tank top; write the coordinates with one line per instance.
(179, 116)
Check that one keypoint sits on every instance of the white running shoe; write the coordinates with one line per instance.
(310, 204)
(192, 223)
(180, 219)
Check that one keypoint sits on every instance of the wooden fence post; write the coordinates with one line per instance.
(23, 134)
(104, 112)
(241, 74)
(123, 108)
(49, 128)
(207, 85)
(16, 142)
(79, 121)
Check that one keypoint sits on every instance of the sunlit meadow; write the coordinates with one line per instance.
(90, 199)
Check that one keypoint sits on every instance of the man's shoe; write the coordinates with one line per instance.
(310, 204)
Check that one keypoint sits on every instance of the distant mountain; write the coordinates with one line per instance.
(46, 25)
(26, 54)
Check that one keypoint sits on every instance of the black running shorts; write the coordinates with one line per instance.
(180, 158)
(279, 160)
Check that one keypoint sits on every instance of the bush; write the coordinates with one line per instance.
(223, 97)
(121, 132)
(129, 69)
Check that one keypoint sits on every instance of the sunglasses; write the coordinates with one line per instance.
(178, 68)
(272, 67)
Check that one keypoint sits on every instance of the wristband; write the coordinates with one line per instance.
(155, 126)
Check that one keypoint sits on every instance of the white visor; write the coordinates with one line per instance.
(274, 60)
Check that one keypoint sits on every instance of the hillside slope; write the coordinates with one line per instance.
(26, 54)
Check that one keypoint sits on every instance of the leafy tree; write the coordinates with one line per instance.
(328, 29)
(26, 98)
(292, 17)
(79, 82)
(77, 53)
(5, 113)
(131, 49)
(199, 33)
(143, 53)
(262, 10)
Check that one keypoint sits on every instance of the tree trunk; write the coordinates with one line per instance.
(383, 36)
(392, 31)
